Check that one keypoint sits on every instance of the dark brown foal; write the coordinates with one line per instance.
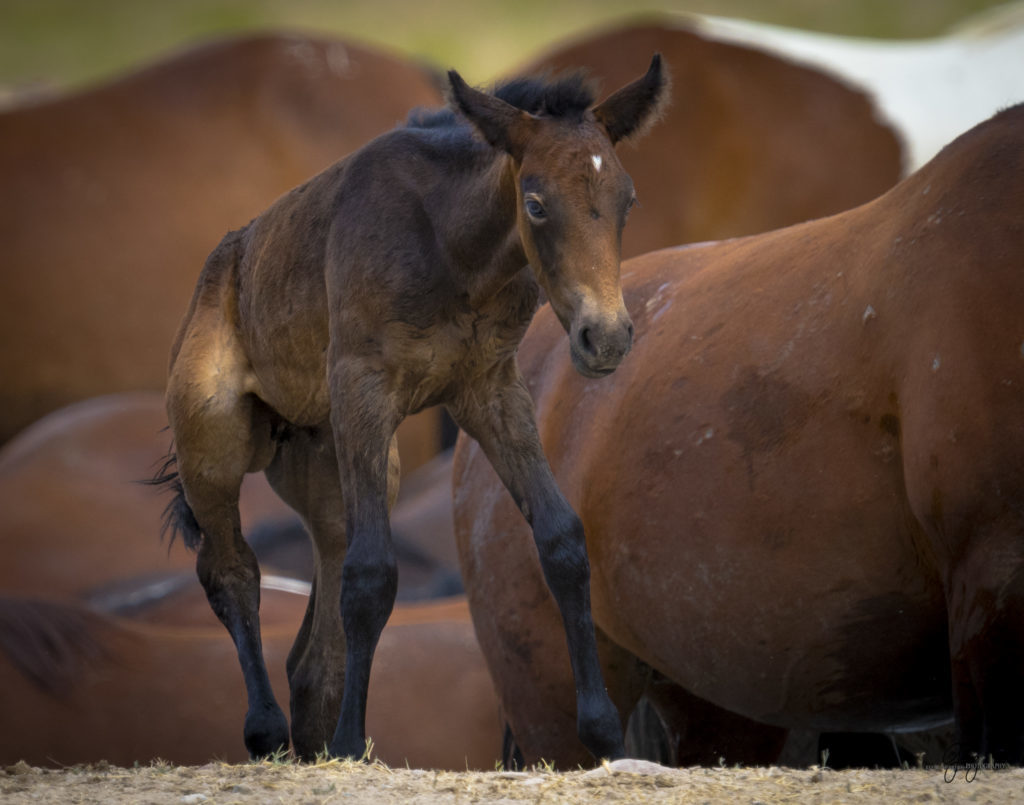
(400, 278)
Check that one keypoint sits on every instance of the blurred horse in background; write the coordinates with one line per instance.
(81, 686)
(73, 518)
(929, 90)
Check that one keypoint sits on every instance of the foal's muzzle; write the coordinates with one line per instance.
(598, 346)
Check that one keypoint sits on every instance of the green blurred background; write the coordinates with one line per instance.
(65, 43)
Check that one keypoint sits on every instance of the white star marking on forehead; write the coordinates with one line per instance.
(597, 162)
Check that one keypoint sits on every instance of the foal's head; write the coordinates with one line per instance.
(573, 196)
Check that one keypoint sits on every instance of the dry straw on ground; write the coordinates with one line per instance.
(624, 781)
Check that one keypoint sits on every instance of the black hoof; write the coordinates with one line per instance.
(601, 732)
(351, 749)
(266, 732)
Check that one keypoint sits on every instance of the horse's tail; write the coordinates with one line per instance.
(178, 517)
(51, 643)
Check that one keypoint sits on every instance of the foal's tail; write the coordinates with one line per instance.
(178, 517)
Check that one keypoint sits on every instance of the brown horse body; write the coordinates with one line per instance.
(802, 491)
(79, 687)
(751, 142)
(145, 175)
(402, 277)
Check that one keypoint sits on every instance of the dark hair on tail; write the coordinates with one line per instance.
(177, 517)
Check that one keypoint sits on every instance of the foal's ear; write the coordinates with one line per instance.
(636, 107)
(501, 124)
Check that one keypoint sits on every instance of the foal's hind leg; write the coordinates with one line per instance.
(305, 474)
(219, 436)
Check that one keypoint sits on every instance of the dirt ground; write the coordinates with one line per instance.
(623, 781)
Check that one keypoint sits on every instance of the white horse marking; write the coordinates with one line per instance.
(930, 90)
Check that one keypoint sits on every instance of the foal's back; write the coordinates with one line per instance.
(339, 249)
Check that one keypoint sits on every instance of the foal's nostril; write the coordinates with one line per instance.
(629, 332)
(585, 343)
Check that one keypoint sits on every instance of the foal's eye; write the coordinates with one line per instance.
(535, 208)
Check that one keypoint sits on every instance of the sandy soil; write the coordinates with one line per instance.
(624, 781)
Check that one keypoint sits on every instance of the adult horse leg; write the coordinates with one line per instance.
(219, 436)
(700, 733)
(501, 419)
(305, 474)
(364, 419)
(986, 611)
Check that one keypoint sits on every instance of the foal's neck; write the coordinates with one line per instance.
(484, 238)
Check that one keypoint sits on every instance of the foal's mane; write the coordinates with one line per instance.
(566, 96)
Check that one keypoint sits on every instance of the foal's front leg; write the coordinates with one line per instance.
(364, 421)
(502, 421)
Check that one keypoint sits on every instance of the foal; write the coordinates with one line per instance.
(402, 277)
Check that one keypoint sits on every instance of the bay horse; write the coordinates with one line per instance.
(751, 141)
(402, 277)
(79, 686)
(802, 492)
(145, 173)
